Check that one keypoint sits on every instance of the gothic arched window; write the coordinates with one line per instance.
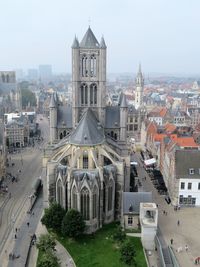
(84, 66)
(59, 193)
(64, 133)
(110, 195)
(85, 160)
(93, 66)
(74, 198)
(84, 94)
(61, 136)
(3, 78)
(85, 203)
(94, 200)
(93, 94)
(7, 78)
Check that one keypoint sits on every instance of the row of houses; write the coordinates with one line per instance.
(177, 153)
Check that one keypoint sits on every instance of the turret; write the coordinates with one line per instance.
(139, 82)
(53, 118)
(123, 116)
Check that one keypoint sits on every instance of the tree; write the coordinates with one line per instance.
(46, 243)
(127, 251)
(48, 259)
(28, 97)
(53, 216)
(119, 235)
(73, 224)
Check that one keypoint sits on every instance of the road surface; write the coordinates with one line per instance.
(28, 167)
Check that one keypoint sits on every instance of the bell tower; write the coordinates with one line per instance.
(139, 82)
(88, 77)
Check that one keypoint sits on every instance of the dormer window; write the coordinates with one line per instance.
(130, 208)
(191, 171)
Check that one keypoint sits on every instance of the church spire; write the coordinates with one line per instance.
(102, 43)
(75, 43)
(139, 82)
(139, 78)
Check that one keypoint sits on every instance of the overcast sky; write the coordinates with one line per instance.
(164, 35)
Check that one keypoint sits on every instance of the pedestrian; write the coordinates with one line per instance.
(186, 248)
(164, 212)
(178, 222)
(15, 236)
(28, 224)
(171, 241)
(16, 230)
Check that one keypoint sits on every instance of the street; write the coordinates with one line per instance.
(186, 233)
(14, 204)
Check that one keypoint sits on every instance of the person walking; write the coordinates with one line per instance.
(178, 222)
(28, 224)
(171, 241)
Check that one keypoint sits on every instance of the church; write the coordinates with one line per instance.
(87, 161)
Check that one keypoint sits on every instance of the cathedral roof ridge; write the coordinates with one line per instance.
(88, 132)
(89, 40)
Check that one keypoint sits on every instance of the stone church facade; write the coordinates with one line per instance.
(87, 162)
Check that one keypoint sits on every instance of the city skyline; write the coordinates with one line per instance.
(162, 35)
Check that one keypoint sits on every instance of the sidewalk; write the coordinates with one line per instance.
(62, 254)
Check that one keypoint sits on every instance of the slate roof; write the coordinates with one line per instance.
(122, 101)
(133, 200)
(89, 131)
(64, 116)
(52, 103)
(89, 40)
(102, 43)
(185, 160)
(75, 43)
(112, 120)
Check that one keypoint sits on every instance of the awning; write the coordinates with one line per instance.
(134, 163)
(150, 161)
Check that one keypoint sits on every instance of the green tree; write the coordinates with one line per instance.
(27, 97)
(73, 224)
(119, 235)
(53, 216)
(127, 251)
(48, 259)
(46, 242)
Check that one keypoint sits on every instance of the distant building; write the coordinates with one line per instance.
(33, 74)
(45, 72)
(7, 81)
(19, 128)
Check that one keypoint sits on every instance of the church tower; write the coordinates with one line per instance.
(139, 82)
(88, 77)
(53, 119)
